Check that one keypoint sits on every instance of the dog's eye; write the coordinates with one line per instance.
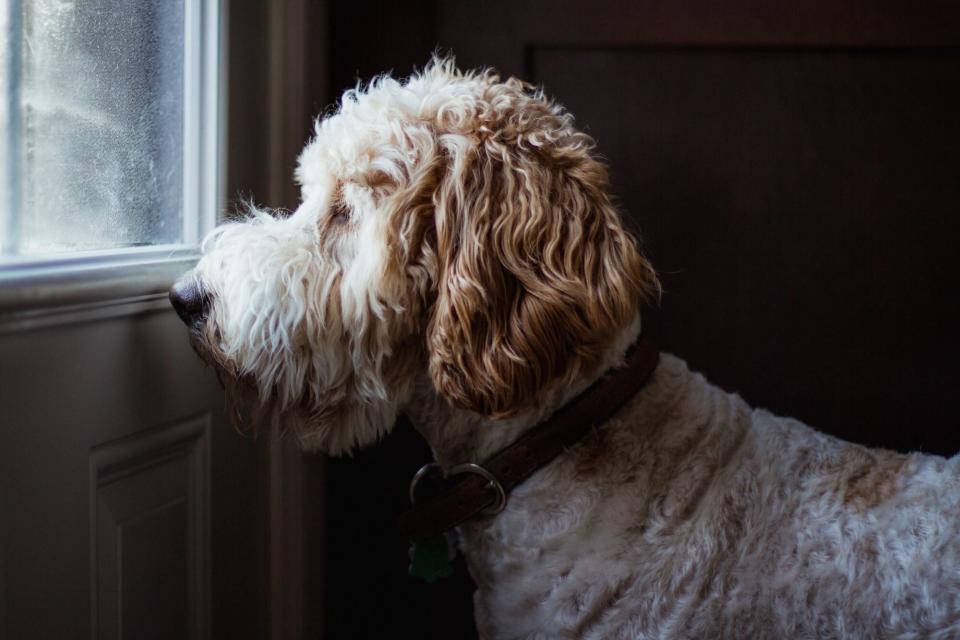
(340, 213)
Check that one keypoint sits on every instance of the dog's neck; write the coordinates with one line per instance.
(457, 436)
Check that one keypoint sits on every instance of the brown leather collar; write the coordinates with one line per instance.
(441, 503)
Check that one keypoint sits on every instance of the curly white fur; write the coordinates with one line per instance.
(691, 515)
(456, 257)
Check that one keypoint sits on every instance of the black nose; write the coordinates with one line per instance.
(189, 300)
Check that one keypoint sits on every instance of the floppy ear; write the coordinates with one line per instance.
(536, 272)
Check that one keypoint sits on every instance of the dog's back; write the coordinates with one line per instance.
(692, 515)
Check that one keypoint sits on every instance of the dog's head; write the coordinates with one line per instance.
(452, 226)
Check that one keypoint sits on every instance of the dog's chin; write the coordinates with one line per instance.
(337, 427)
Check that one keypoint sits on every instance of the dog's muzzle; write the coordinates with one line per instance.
(189, 301)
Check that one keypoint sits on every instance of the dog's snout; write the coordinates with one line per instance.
(189, 300)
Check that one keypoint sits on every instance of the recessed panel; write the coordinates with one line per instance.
(800, 206)
(155, 569)
(149, 534)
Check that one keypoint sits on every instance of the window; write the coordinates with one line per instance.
(109, 130)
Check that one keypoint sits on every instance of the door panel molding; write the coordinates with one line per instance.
(146, 491)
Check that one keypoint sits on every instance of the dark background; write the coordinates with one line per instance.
(793, 172)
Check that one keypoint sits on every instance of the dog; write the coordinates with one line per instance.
(457, 258)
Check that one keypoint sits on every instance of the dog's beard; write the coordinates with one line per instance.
(333, 420)
(240, 391)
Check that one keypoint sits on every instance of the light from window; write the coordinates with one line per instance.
(91, 125)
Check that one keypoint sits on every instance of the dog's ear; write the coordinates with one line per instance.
(536, 271)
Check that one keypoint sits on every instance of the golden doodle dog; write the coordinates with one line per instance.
(457, 258)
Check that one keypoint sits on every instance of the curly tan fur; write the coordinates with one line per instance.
(536, 271)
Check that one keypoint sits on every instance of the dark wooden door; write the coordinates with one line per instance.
(792, 171)
(793, 176)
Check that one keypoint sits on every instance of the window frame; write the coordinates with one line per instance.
(62, 287)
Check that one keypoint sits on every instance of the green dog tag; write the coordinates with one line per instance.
(430, 559)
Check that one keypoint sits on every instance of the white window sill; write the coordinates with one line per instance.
(93, 285)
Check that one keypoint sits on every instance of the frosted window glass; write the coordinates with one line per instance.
(94, 146)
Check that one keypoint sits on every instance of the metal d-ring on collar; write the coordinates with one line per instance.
(460, 469)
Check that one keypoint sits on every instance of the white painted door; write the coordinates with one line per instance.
(128, 504)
